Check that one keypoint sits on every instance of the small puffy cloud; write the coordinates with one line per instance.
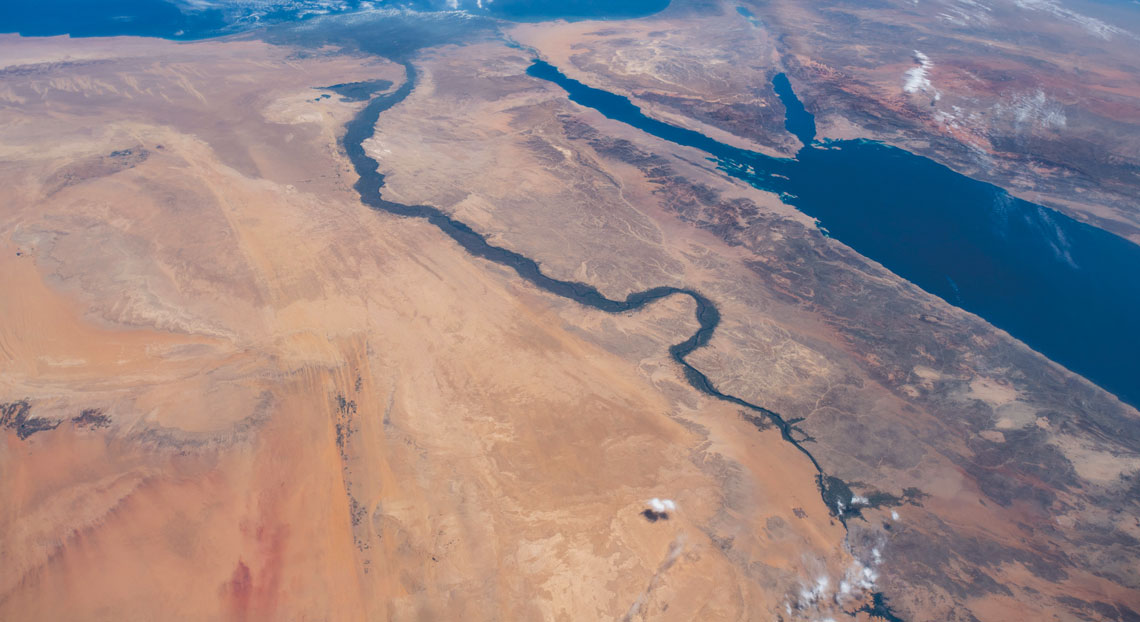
(659, 509)
(917, 79)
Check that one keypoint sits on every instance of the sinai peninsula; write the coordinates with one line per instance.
(570, 310)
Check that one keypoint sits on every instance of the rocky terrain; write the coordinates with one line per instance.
(917, 404)
(1035, 96)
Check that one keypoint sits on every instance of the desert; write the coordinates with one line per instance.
(317, 321)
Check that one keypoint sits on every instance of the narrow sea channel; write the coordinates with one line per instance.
(1068, 290)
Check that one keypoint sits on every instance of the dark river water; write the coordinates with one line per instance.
(1069, 290)
(371, 183)
(836, 495)
(834, 492)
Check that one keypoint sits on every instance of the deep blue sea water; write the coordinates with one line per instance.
(169, 19)
(98, 18)
(797, 120)
(1067, 289)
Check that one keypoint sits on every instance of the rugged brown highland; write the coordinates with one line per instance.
(1033, 95)
(230, 390)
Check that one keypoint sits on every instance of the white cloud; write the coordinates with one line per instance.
(966, 13)
(1091, 25)
(1034, 110)
(917, 79)
(816, 599)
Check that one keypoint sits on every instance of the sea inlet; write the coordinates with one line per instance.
(1067, 289)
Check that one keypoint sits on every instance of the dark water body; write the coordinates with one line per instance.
(621, 109)
(879, 609)
(358, 91)
(163, 19)
(797, 120)
(1067, 289)
(183, 20)
(105, 18)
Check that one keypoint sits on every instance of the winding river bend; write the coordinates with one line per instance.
(835, 493)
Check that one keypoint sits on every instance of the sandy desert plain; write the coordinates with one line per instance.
(229, 390)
